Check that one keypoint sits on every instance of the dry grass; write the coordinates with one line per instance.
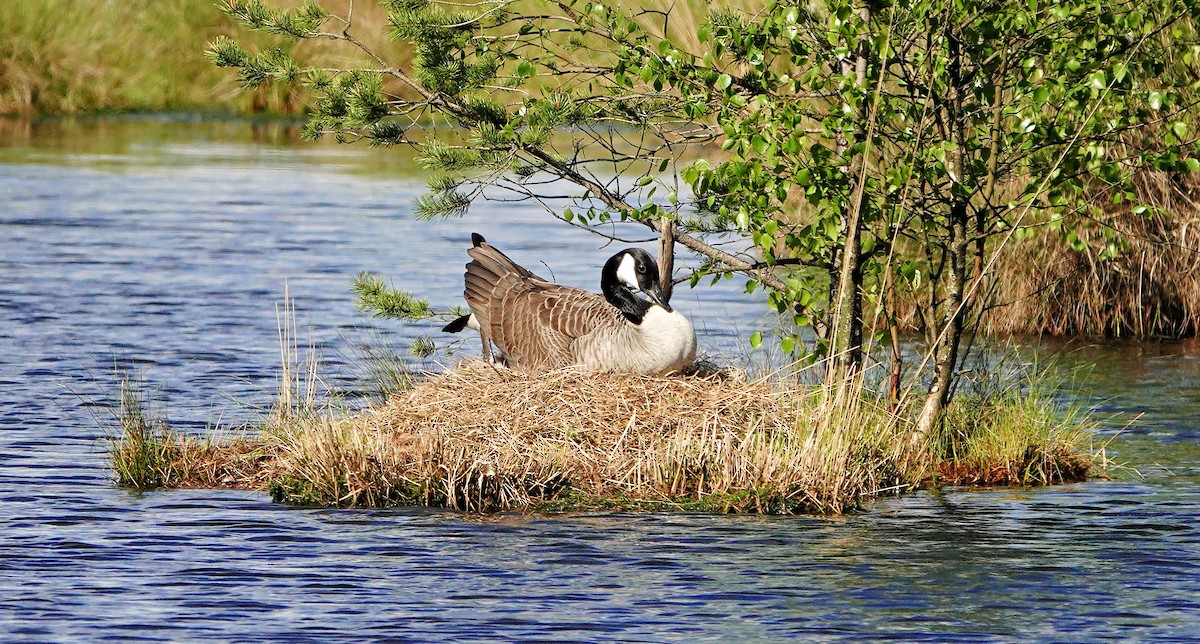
(484, 439)
(1151, 288)
(481, 439)
(82, 56)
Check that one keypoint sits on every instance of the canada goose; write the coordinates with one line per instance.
(537, 325)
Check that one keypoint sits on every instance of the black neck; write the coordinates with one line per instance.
(631, 306)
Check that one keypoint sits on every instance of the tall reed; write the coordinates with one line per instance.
(1150, 288)
(83, 56)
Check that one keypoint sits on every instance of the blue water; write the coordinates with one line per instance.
(164, 246)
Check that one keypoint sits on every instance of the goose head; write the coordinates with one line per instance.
(626, 275)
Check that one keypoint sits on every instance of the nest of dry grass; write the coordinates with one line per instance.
(483, 439)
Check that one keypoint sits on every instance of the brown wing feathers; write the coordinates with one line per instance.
(533, 322)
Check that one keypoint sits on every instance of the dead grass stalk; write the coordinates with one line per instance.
(483, 439)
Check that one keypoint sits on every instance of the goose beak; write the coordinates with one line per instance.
(655, 294)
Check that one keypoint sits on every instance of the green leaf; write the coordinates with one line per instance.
(724, 81)
(1119, 71)
(758, 144)
(742, 219)
(756, 339)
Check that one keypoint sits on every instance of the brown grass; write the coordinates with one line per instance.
(485, 439)
(481, 439)
(1151, 289)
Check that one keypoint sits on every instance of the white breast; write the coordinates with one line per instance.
(670, 337)
(663, 342)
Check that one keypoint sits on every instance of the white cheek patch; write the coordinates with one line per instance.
(627, 273)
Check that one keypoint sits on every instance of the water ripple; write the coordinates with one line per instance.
(152, 255)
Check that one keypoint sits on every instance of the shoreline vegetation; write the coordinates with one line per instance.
(1125, 273)
(482, 439)
(479, 439)
(77, 57)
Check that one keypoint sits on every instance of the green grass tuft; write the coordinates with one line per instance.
(1015, 434)
(143, 454)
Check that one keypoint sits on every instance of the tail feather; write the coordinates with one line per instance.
(457, 325)
(489, 270)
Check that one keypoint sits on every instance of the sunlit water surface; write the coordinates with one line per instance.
(164, 246)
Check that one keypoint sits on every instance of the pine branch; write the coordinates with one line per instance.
(254, 70)
(302, 22)
(376, 298)
(443, 200)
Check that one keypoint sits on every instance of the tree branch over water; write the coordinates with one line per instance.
(865, 159)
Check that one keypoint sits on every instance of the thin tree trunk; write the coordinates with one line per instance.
(889, 312)
(846, 343)
(846, 325)
(666, 256)
(950, 338)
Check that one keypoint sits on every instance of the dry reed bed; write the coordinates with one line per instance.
(1151, 288)
(482, 439)
(485, 439)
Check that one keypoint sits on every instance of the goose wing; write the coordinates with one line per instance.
(488, 270)
(536, 324)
